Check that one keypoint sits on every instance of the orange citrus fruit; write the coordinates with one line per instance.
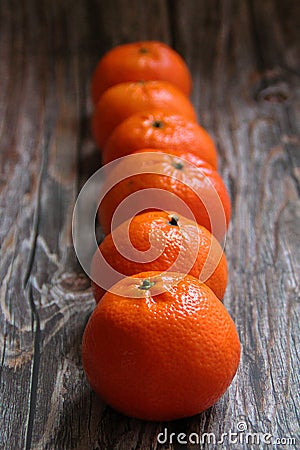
(200, 189)
(161, 347)
(173, 242)
(146, 60)
(159, 129)
(124, 99)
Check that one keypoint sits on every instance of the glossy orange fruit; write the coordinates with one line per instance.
(158, 129)
(146, 60)
(206, 169)
(124, 99)
(168, 177)
(173, 242)
(161, 347)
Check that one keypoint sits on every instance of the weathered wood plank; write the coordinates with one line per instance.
(244, 57)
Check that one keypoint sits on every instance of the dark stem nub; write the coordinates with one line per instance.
(174, 221)
(157, 124)
(147, 284)
(178, 165)
(143, 50)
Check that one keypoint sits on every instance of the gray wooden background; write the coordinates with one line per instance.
(245, 59)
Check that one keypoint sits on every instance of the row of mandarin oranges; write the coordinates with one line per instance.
(160, 344)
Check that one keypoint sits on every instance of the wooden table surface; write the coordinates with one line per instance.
(245, 60)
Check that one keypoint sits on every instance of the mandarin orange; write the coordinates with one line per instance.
(158, 129)
(156, 180)
(161, 347)
(145, 60)
(160, 240)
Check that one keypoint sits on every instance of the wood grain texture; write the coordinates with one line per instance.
(244, 58)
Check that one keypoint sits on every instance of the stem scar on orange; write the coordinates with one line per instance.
(124, 99)
(161, 347)
(158, 129)
(190, 156)
(161, 241)
(146, 60)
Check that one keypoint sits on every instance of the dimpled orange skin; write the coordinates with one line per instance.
(124, 99)
(156, 170)
(146, 60)
(158, 129)
(160, 357)
(175, 238)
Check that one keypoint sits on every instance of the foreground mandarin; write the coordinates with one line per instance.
(161, 347)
